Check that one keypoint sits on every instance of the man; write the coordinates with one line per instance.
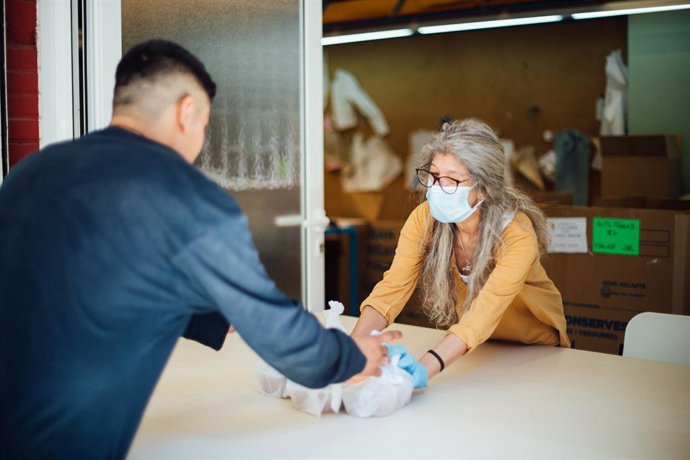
(108, 245)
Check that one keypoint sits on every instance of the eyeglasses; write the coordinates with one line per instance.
(428, 179)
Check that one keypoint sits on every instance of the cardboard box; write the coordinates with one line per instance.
(550, 197)
(601, 330)
(641, 202)
(646, 165)
(668, 145)
(602, 291)
(641, 175)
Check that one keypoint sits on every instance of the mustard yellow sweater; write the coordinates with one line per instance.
(518, 301)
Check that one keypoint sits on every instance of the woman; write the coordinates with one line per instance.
(474, 246)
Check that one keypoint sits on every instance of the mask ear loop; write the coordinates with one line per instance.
(480, 195)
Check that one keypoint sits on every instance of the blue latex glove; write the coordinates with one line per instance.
(420, 377)
(396, 350)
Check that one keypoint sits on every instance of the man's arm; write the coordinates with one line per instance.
(221, 269)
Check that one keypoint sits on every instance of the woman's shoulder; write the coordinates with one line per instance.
(417, 219)
(421, 212)
(520, 225)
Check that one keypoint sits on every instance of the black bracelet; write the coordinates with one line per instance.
(440, 360)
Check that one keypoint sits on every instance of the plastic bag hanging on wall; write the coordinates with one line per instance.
(614, 108)
(252, 145)
(346, 96)
(373, 165)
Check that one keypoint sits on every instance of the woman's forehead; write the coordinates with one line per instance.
(445, 162)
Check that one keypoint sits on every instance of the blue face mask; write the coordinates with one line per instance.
(450, 208)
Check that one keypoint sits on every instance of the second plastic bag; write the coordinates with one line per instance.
(379, 396)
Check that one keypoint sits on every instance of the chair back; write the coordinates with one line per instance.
(658, 337)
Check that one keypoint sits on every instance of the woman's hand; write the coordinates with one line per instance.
(419, 373)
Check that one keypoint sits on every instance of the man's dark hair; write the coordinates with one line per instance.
(157, 58)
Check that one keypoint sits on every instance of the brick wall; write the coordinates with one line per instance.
(22, 78)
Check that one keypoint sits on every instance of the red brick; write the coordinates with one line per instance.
(22, 82)
(17, 151)
(22, 106)
(22, 130)
(21, 34)
(21, 57)
(20, 13)
(21, 22)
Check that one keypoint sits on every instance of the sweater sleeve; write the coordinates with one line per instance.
(390, 295)
(221, 270)
(507, 279)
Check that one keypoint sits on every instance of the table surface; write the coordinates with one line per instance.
(500, 401)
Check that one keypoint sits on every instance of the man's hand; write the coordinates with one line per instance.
(373, 348)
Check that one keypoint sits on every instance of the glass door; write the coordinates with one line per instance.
(265, 145)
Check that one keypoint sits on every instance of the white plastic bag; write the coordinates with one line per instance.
(320, 400)
(379, 396)
(333, 315)
(373, 396)
(374, 165)
(315, 401)
(269, 381)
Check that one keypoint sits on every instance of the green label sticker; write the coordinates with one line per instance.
(616, 236)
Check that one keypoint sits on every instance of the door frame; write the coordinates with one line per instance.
(312, 181)
(54, 45)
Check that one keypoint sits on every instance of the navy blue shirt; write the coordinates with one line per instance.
(108, 245)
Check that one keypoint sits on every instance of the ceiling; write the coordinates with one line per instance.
(343, 15)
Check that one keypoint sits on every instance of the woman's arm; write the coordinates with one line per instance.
(390, 295)
(369, 320)
(449, 349)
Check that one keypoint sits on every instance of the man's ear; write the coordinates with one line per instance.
(185, 112)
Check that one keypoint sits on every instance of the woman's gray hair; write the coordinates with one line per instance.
(476, 145)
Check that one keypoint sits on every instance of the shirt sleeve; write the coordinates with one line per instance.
(390, 295)
(221, 270)
(507, 279)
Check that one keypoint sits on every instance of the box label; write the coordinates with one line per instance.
(567, 234)
(616, 236)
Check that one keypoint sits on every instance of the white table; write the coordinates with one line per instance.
(501, 401)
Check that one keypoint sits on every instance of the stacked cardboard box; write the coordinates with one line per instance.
(647, 165)
(612, 281)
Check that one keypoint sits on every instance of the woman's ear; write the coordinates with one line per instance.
(481, 193)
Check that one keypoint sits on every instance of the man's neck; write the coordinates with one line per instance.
(132, 124)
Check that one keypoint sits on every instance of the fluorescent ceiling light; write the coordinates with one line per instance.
(649, 9)
(488, 24)
(366, 36)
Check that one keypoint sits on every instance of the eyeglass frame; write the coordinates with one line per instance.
(437, 179)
